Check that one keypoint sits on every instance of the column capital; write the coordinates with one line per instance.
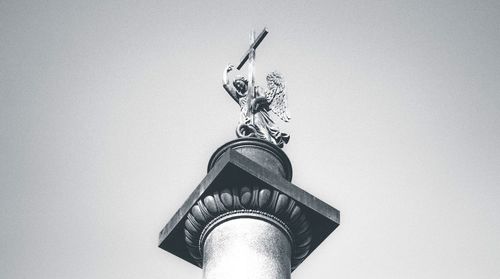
(248, 202)
(247, 174)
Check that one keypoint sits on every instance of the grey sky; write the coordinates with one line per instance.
(110, 110)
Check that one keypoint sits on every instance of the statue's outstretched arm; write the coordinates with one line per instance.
(227, 85)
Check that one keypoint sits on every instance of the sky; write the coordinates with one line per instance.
(110, 110)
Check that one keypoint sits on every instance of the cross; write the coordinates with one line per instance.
(250, 56)
(253, 47)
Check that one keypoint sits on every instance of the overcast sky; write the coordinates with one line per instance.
(110, 110)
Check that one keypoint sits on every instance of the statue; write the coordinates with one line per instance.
(255, 102)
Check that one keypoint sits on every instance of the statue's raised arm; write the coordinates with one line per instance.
(236, 89)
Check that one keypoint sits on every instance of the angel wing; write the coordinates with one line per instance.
(276, 96)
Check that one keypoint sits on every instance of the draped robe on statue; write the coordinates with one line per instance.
(264, 126)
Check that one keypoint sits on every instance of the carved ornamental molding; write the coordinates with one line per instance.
(262, 203)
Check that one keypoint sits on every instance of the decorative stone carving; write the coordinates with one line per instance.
(266, 172)
(255, 102)
(271, 205)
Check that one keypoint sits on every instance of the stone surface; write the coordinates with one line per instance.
(248, 199)
(232, 168)
(246, 248)
(267, 155)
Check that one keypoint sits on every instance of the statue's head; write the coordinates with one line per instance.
(241, 84)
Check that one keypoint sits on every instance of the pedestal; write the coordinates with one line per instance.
(246, 218)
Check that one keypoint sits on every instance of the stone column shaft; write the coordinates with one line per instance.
(246, 248)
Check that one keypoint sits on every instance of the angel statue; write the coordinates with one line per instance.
(255, 120)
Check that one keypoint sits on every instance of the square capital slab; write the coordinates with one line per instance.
(233, 168)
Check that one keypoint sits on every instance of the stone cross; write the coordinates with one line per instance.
(250, 57)
(253, 46)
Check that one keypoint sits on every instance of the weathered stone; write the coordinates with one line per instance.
(269, 171)
(244, 246)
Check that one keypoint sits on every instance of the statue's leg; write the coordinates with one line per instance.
(261, 126)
